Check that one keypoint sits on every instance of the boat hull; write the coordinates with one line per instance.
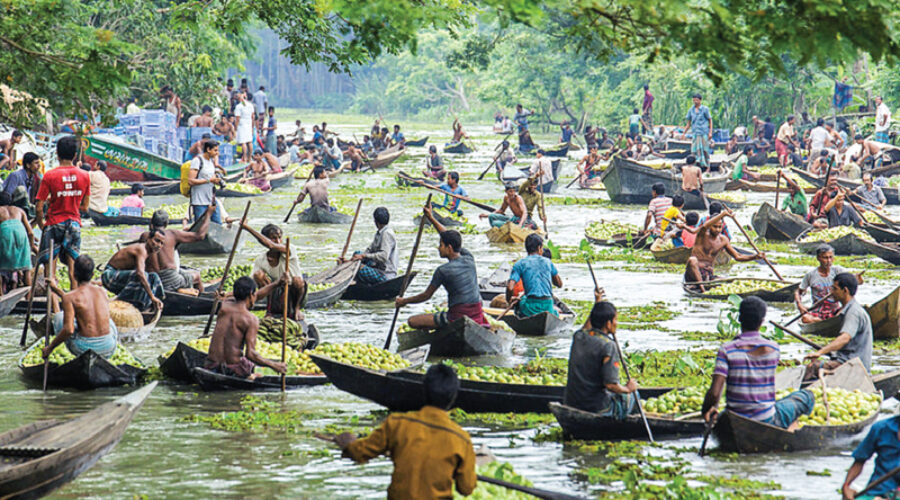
(775, 225)
(462, 337)
(318, 215)
(386, 290)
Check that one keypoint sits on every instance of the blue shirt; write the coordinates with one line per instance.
(397, 137)
(452, 204)
(272, 122)
(881, 439)
(522, 120)
(16, 179)
(699, 118)
(567, 134)
(536, 273)
(317, 135)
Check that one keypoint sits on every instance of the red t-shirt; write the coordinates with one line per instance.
(64, 187)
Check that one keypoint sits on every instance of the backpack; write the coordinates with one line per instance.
(185, 187)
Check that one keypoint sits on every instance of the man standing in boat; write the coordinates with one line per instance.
(516, 205)
(710, 241)
(855, 339)
(647, 110)
(541, 171)
(126, 273)
(232, 349)
(884, 439)
(379, 260)
(819, 281)
(84, 323)
(746, 365)
(458, 276)
(699, 122)
(538, 275)
(164, 263)
(431, 453)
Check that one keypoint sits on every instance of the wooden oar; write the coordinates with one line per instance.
(777, 187)
(707, 430)
(284, 318)
(49, 270)
(409, 265)
(352, 226)
(812, 308)
(878, 482)
(511, 304)
(458, 197)
(753, 245)
(544, 211)
(237, 239)
(294, 205)
(796, 335)
(34, 279)
(825, 397)
(497, 157)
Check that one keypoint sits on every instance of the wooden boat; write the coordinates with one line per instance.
(773, 224)
(179, 364)
(888, 383)
(281, 179)
(231, 193)
(678, 145)
(509, 233)
(891, 194)
(182, 304)
(462, 337)
(887, 251)
(674, 154)
(849, 244)
(212, 381)
(495, 284)
(219, 239)
(87, 371)
(539, 324)
(417, 143)
(761, 187)
(629, 182)
(884, 314)
(385, 158)
(445, 220)
(732, 204)
(151, 188)
(460, 148)
(680, 255)
(119, 220)
(882, 232)
(403, 180)
(557, 150)
(386, 290)
(319, 215)
(339, 277)
(783, 294)
(40, 457)
(625, 240)
(9, 300)
(579, 424)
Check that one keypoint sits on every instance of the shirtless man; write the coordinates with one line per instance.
(269, 160)
(84, 323)
(206, 118)
(232, 350)
(255, 172)
(710, 241)
(357, 158)
(586, 165)
(224, 127)
(516, 204)
(163, 262)
(126, 273)
(197, 147)
(458, 134)
(7, 150)
(317, 189)
(869, 150)
(16, 241)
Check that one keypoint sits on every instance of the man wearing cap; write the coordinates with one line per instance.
(699, 122)
(516, 205)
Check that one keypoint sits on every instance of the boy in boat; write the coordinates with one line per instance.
(538, 275)
(16, 244)
(379, 260)
(673, 213)
(593, 381)
(532, 198)
(709, 242)
(513, 200)
(269, 267)
(883, 440)
(657, 208)
(795, 202)
(430, 452)
(819, 281)
(434, 165)
(84, 323)
(747, 366)
(126, 273)
(458, 276)
(235, 332)
(452, 186)
(855, 339)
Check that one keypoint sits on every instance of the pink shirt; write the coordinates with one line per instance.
(133, 201)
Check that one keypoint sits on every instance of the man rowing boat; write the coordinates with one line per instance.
(379, 260)
(587, 176)
(317, 189)
(458, 276)
(710, 241)
(855, 339)
(538, 275)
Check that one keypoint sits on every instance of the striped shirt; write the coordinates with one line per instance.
(658, 207)
(750, 380)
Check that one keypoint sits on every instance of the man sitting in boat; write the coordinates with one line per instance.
(133, 204)
(657, 208)
(164, 262)
(126, 273)
(452, 186)
(538, 275)
(740, 167)
(269, 267)
(357, 157)
(379, 260)
(709, 242)
(516, 204)
(819, 281)
(855, 339)
(332, 156)
(256, 171)
(397, 137)
(16, 245)
(84, 323)
(641, 150)
(434, 165)
(587, 175)
(431, 453)
(458, 276)
(882, 439)
(593, 380)
(839, 214)
(795, 202)
(317, 189)
(100, 186)
(232, 349)
(746, 365)
(817, 210)
(872, 195)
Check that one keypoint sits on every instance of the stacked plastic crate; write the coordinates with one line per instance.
(153, 130)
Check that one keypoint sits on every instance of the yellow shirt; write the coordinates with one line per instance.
(785, 132)
(670, 214)
(430, 452)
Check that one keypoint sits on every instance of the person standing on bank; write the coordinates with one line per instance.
(699, 122)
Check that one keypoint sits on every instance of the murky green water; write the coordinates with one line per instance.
(162, 456)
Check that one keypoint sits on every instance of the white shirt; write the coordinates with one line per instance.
(336, 152)
(546, 168)
(132, 108)
(244, 111)
(259, 101)
(274, 272)
(882, 114)
(817, 138)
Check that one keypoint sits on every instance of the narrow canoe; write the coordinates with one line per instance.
(495, 284)
(629, 182)
(848, 244)
(579, 424)
(182, 304)
(891, 194)
(40, 457)
(9, 300)
(281, 179)
(462, 337)
(319, 215)
(457, 148)
(783, 294)
(339, 277)
(884, 314)
(680, 255)
(887, 250)
(557, 151)
(445, 220)
(385, 158)
(882, 233)
(678, 145)
(888, 383)
(539, 324)
(626, 240)
(406, 180)
(87, 371)
(119, 220)
(219, 239)
(773, 224)
(417, 143)
(179, 364)
(151, 188)
(232, 193)
(386, 290)
(509, 233)
(212, 381)
(761, 187)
